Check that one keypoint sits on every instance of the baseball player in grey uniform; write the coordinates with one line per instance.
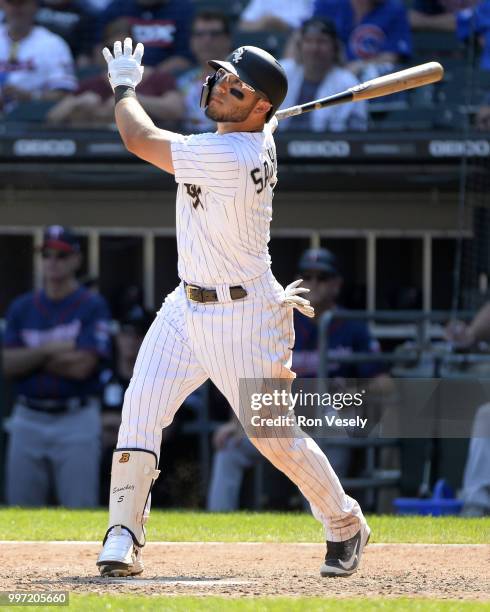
(229, 319)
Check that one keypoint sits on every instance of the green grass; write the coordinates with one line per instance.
(61, 524)
(261, 604)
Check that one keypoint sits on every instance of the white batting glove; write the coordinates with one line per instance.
(292, 298)
(125, 67)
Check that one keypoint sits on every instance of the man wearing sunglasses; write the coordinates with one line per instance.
(229, 320)
(53, 342)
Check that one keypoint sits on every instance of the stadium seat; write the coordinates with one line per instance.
(88, 72)
(464, 88)
(430, 45)
(407, 119)
(34, 110)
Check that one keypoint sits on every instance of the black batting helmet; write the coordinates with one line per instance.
(256, 68)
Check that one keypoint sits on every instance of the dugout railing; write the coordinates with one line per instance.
(415, 358)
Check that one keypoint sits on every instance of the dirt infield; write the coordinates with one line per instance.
(242, 569)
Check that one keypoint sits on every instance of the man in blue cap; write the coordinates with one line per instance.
(53, 342)
(321, 274)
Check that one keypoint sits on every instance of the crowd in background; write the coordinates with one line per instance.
(50, 51)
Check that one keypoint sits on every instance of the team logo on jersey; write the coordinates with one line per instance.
(367, 40)
(124, 457)
(238, 55)
(194, 192)
(37, 337)
(154, 32)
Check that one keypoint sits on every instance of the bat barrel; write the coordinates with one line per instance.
(417, 76)
(424, 74)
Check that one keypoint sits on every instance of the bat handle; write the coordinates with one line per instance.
(289, 112)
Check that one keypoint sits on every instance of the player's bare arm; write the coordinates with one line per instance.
(138, 132)
(141, 136)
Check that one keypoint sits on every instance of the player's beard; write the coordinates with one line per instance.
(223, 115)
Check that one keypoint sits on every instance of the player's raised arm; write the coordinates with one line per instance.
(138, 132)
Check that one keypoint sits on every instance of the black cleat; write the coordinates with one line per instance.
(343, 558)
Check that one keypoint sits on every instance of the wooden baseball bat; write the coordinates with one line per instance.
(423, 74)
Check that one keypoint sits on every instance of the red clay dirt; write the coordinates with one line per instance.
(238, 570)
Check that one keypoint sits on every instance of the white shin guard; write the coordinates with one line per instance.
(132, 477)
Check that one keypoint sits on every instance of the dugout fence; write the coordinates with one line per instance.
(419, 357)
(381, 268)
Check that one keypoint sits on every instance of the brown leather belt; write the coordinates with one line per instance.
(54, 406)
(206, 296)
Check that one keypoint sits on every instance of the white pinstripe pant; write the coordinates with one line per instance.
(251, 338)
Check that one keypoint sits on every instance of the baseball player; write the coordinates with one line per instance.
(228, 319)
(55, 341)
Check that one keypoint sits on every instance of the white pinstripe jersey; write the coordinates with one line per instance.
(224, 205)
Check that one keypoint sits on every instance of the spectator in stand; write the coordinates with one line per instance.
(432, 15)
(70, 19)
(437, 14)
(115, 380)
(93, 102)
(482, 119)
(476, 481)
(234, 452)
(375, 33)
(476, 21)
(163, 26)
(210, 38)
(278, 15)
(35, 64)
(317, 74)
(54, 341)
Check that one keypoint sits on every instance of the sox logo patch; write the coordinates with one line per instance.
(195, 194)
(238, 55)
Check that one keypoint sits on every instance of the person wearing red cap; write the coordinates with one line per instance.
(53, 342)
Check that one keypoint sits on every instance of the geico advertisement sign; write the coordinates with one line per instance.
(458, 148)
(48, 148)
(319, 148)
